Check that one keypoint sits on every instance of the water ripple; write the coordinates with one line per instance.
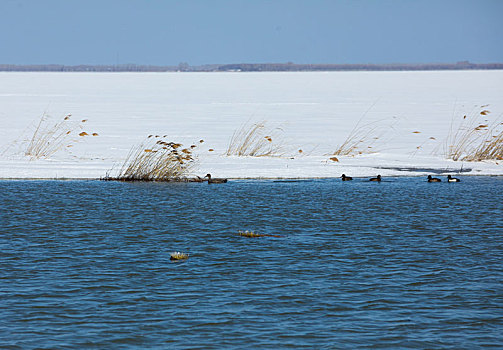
(407, 265)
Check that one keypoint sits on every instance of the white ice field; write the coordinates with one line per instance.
(407, 118)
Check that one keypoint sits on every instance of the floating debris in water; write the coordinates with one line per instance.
(248, 234)
(253, 234)
(178, 256)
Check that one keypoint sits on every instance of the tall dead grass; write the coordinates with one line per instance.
(476, 137)
(363, 137)
(51, 136)
(156, 159)
(256, 140)
(361, 140)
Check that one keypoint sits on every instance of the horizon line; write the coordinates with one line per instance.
(247, 67)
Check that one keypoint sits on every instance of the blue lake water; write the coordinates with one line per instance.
(398, 264)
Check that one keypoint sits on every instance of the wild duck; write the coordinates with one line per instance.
(378, 178)
(346, 178)
(433, 179)
(452, 179)
(216, 180)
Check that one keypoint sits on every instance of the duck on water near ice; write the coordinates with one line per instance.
(452, 179)
(215, 180)
(433, 179)
(346, 178)
(378, 178)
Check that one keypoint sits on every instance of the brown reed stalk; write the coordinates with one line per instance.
(156, 159)
(362, 137)
(475, 137)
(361, 140)
(50, 137)
(256, 140)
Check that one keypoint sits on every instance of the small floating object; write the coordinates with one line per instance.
(433, 179)
(251, 234)
(178, 256)
(346, 178)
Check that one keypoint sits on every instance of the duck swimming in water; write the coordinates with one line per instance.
(433, 179)
(215, 181)
(452, 179)
(378, 178)
(346, 178)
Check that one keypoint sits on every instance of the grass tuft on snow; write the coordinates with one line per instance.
(255, 140)
(476, 137)
(49, 136)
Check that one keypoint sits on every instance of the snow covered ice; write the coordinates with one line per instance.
(313, 112)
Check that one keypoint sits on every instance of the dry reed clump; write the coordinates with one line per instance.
(156, 159)
(361, 140)
(50, 137)
(476, 137)
(255, 140)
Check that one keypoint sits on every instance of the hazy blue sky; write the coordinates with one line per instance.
(235, 31)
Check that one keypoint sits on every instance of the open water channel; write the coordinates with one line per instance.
(398, 264)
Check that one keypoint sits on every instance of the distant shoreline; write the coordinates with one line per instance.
(251, 67)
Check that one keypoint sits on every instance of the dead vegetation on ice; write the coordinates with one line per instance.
(291, 132)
